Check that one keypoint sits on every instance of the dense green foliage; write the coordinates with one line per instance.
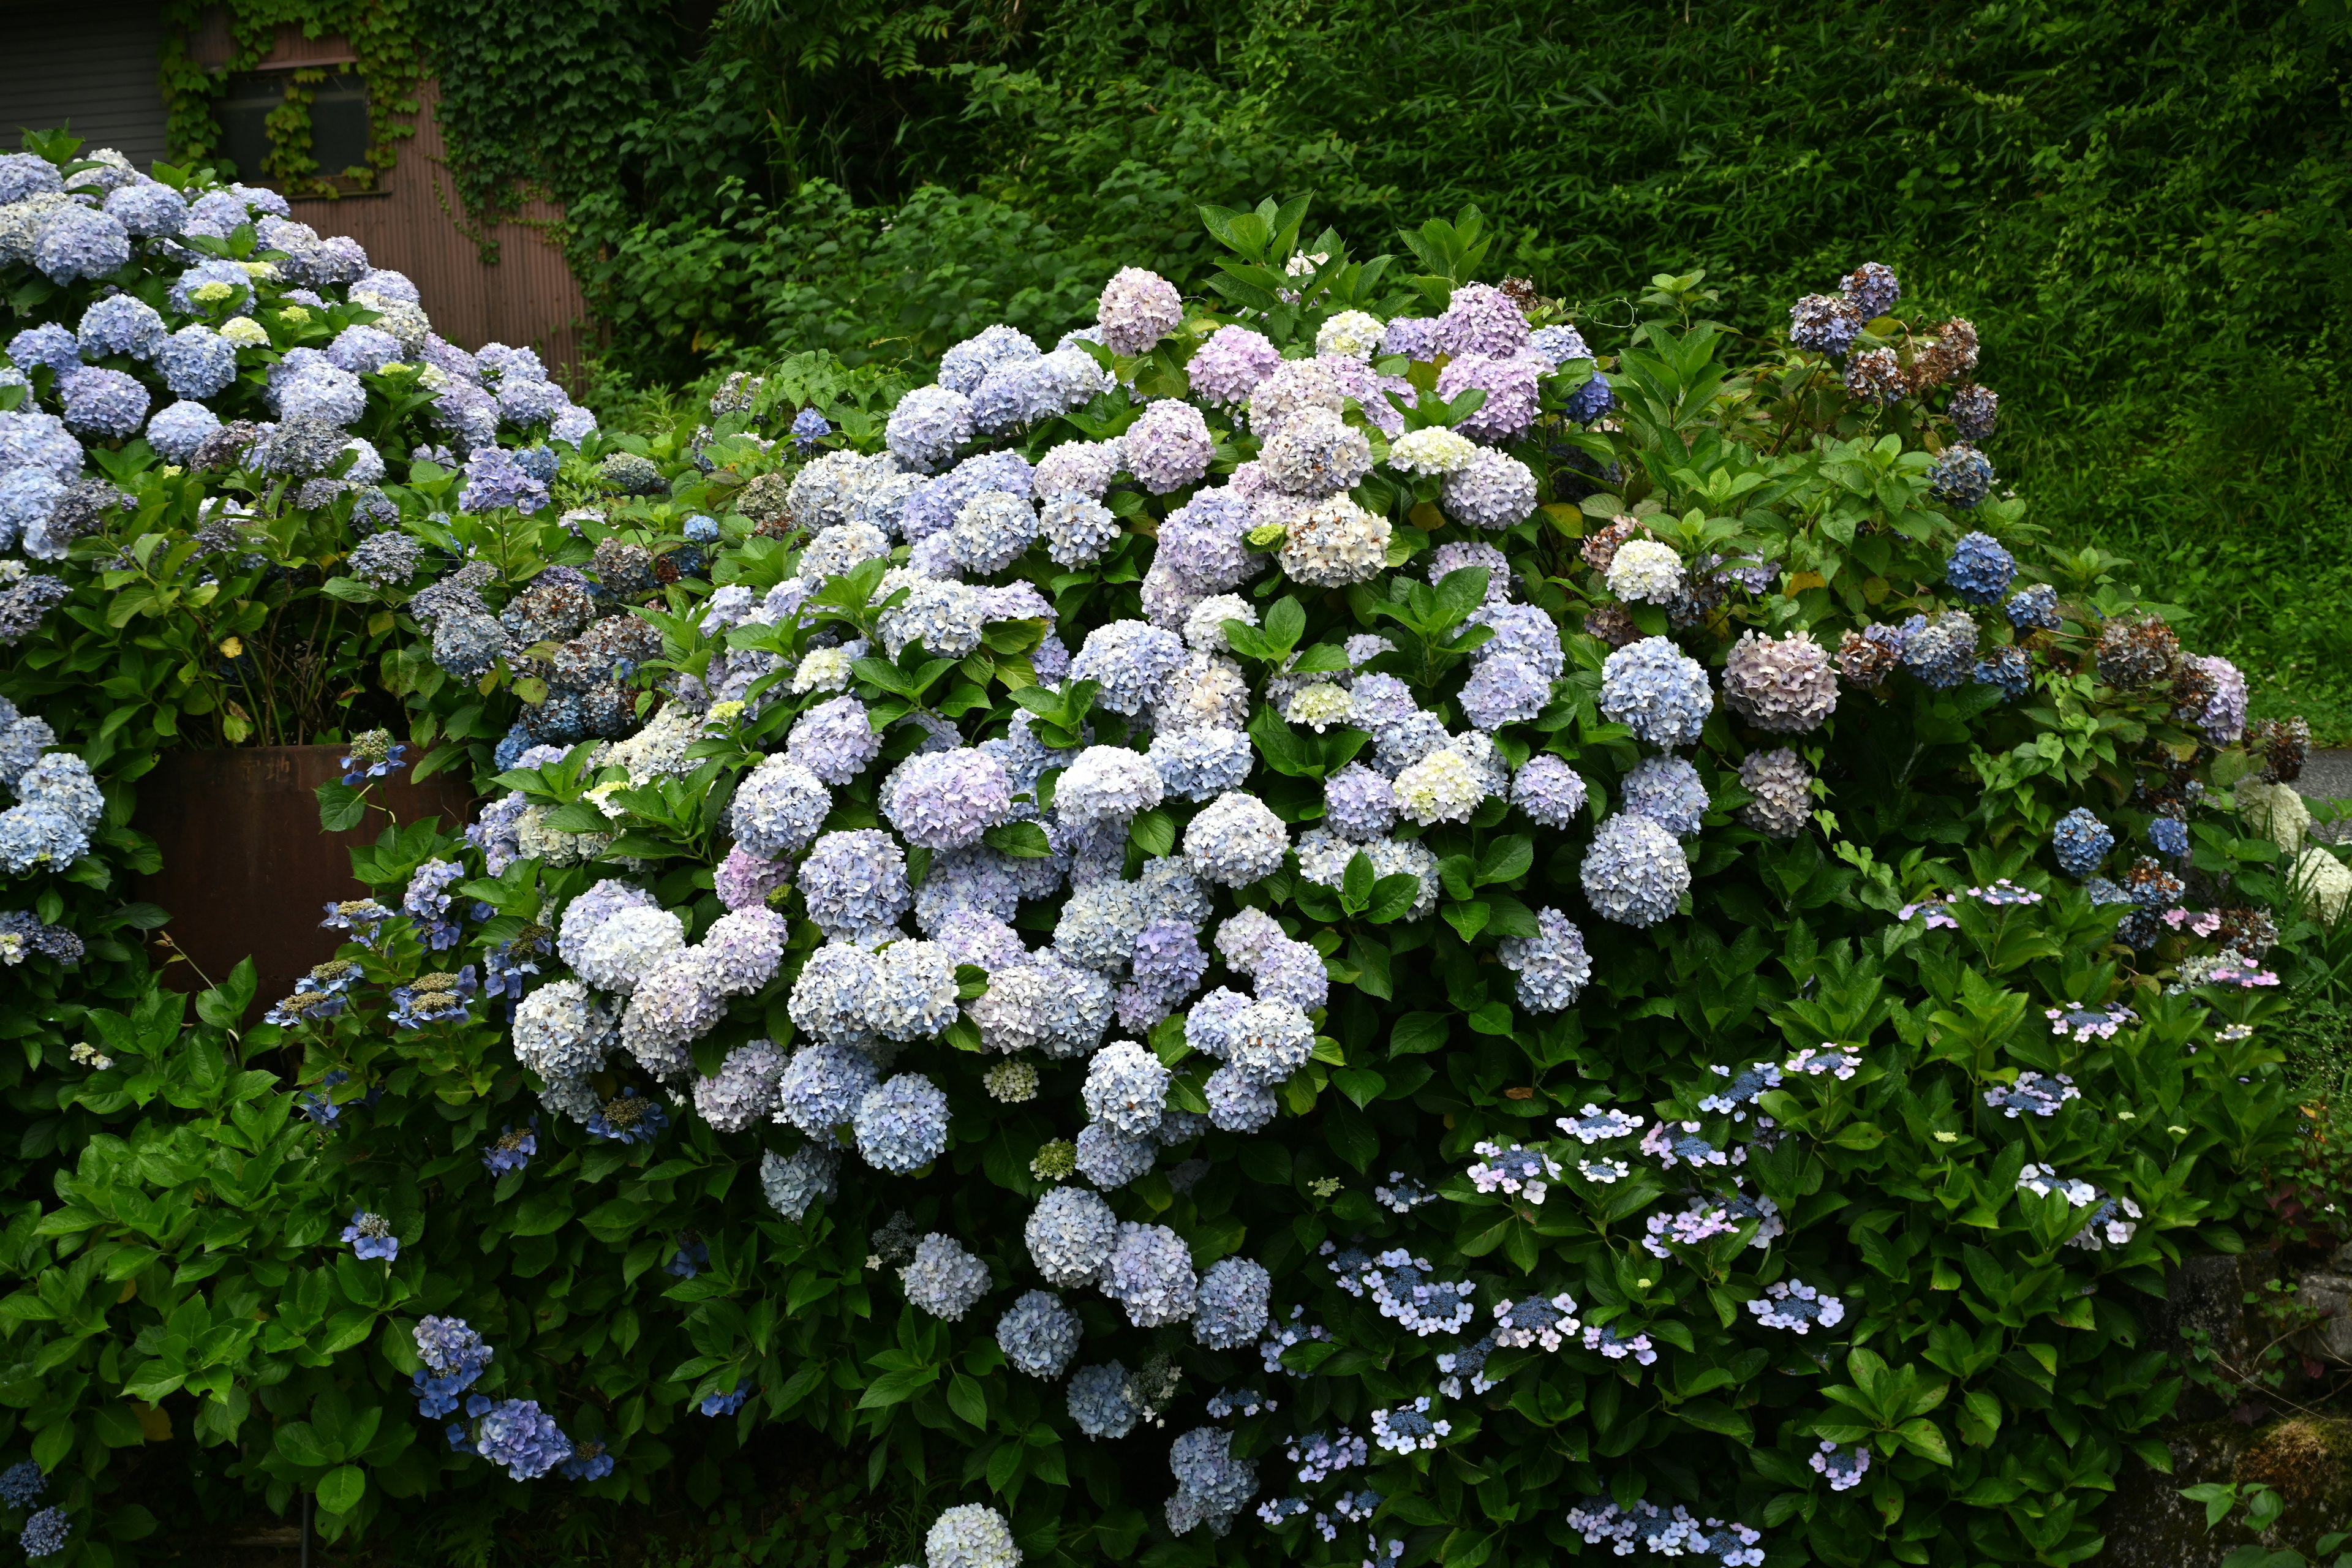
(2142, 206)
(1995, 1356)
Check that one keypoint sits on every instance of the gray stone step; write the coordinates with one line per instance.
(2328, 777)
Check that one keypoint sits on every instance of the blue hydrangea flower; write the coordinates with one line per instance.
(2171, 836)
(121, 325)
(1552, 965)
(2034, 608)
(370, 1235)
(46, 1533)
(1979, 570)
(1656, 690)
(1669, 791)
(1039, 1335)
(1941, 652)
(103, 403)
(513, 1149)
(2081, 841)
(2007, 668)
(1635, 873)
(22, 1484)
(809, 428)
(1961, 475)
(856, 882)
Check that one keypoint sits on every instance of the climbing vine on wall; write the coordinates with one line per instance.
(383, 34)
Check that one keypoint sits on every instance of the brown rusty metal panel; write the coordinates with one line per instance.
(247, 869)
(529, 297)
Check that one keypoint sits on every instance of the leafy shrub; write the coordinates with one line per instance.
(1594, 1075)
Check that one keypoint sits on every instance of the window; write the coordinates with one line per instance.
(338, 127)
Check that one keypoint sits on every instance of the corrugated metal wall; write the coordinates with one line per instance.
(528, 297)
(92, 67)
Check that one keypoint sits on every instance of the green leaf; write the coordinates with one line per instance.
(1469, 918)
(1022, 840)
(1506, 859)
(298, 1441)
(339, 806)
(1923, 1437)
(1392, 898)
(1418, 1032)
(341, 1488)
(966, 1400)
(1154, 832)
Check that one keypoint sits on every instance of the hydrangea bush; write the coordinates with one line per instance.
(1313, 923)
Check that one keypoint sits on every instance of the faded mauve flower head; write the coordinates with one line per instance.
(946, 800)
(1786, 686)
(1782, 787)
(1167, 446)
(1137, 310)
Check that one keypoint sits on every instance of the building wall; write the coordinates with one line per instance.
(89, 67)
(97, 69)
(528, 297)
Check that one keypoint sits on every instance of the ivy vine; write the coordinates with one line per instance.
(384, 34)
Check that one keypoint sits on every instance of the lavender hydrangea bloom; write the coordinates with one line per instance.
(1167, 446)
(856, 882)
(1552, 965)
(1549, 790)
(914, 992)
(1359, 805)
(902, 1124)
(835, 740)
(1132, 659)
(1150, 1273)
(1481, 319)
(821, 1086)
(1229, 364)
(1039, 1335)
(928, 427)
(1204, 541)
(1137, 310)
(1652, 687)
(1202, 763)
(1233, 1302)
(779, 806)
(964, 367)
(1666, 790)
(1510, 384)
(744, 1089)
(1634, 872)
(1503, 691)
(946, 800)
(744, 949)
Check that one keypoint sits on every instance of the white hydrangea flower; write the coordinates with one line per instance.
(1353, 334)
(1441, 788)
(1435, 450)
(1645, 572)
(1334, 542)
